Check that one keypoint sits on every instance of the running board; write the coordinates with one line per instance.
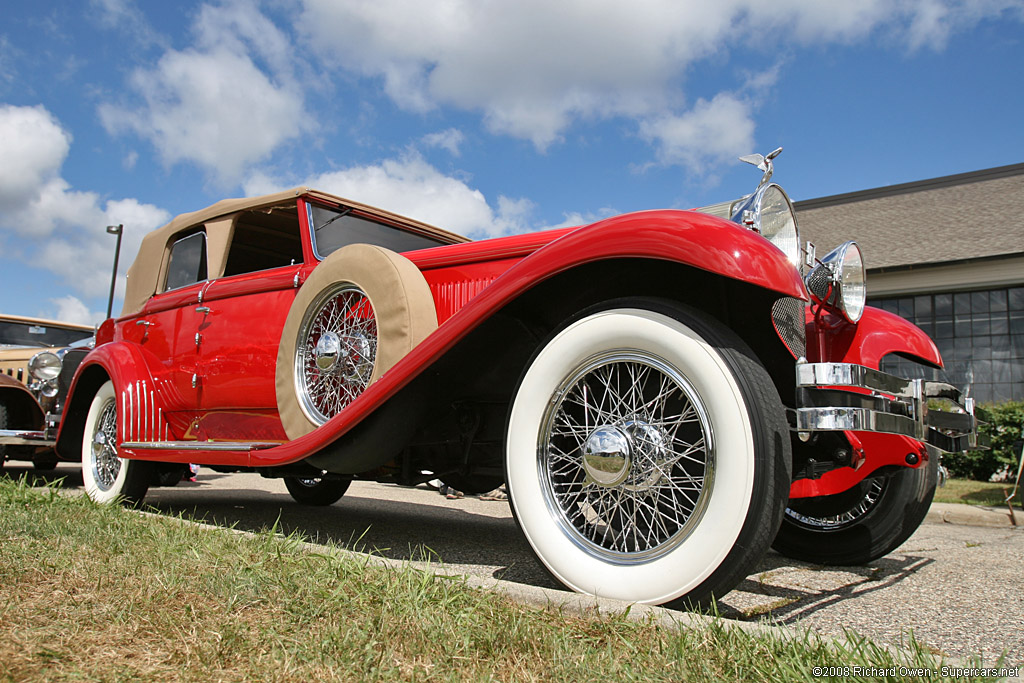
(25, 437)
(197, 445)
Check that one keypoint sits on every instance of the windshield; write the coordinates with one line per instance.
(334, 229)
(39, 333)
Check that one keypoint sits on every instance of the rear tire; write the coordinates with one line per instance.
(107, 476)
(647, 455)
(858, 526)
(316, 491)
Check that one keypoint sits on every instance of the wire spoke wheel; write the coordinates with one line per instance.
(626, 456)
(799, 515)
(337, 350)
(105, 462)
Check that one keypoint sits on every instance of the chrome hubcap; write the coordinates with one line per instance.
(626, 457)
(105, 463)
(336, 352)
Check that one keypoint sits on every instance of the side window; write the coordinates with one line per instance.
(188, 261)
(265, 238)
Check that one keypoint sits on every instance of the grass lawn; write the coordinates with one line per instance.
(975, 493)
(102, 593)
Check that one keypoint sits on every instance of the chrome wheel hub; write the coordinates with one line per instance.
(626, 457)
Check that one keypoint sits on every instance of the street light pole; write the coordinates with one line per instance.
(114, 230)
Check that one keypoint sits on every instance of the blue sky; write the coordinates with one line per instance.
(485, 118)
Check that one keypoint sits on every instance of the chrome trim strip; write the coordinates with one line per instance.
(198, 445)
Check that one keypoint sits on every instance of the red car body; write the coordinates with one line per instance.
(196, 370)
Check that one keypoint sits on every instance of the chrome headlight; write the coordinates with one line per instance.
(769, 212)
(44, 366)
(839, 282)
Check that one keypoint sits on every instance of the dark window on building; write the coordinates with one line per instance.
(979, 334)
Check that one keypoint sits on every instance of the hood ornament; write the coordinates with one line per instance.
(763, 163)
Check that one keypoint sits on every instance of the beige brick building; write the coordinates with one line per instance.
(948, 255)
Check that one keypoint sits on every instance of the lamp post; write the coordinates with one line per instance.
(114, 230)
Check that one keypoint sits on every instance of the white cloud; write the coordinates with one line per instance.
(58, 228)
(532, 68)
(33, 147)
(71, 309)
(224, 104)
(449, 140)
(715, 131)
(412, 187)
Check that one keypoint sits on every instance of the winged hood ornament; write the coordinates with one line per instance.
(763, 163)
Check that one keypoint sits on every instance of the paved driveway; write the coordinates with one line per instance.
(959, 588)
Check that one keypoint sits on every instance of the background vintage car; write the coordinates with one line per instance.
(654, 388)
(26, 398)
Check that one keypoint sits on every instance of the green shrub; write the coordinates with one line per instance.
(1002, 423)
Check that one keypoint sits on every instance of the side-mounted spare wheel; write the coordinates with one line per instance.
(860, 525)
(108, 477)
(647, 455)
(361, 310)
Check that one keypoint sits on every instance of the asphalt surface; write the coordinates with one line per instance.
(957, 584)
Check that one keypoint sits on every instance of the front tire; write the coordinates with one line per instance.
(860, 525)
(647, 455)
(316, 491)
(107, 476)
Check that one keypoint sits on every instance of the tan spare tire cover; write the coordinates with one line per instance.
(402, 305)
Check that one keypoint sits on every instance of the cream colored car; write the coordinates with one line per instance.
(37, 361)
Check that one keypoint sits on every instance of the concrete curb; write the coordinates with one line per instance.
(973, 515)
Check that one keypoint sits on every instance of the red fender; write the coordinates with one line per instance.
(142, 402)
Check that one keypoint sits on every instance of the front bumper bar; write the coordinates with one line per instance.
(855, 398)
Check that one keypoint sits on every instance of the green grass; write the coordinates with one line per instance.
(975, 493)
(102, 593)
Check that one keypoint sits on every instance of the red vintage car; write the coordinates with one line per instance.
(663, 392)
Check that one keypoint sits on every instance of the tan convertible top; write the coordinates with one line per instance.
(144, 274)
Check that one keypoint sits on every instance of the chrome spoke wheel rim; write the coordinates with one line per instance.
(626, 457)
(844, 519)
(105, 462)
(336, 352)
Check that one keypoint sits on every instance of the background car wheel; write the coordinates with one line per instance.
(108, 477)
(647, 455)
(316, 491)
(860, 525)
(44, 463)
(359, 313)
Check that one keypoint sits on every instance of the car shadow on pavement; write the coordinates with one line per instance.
(785, 590)
(476, 544)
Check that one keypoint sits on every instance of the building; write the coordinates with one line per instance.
(948, 255)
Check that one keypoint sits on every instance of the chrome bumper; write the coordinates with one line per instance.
(882, 403)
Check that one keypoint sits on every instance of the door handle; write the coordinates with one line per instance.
(202, 309)
(144, 322)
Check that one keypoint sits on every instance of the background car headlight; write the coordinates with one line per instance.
(769, 212)
(44, 366)
(839, 282)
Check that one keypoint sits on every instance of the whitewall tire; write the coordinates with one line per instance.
(107, 477)
(647, 455)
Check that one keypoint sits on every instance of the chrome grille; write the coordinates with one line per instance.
(788, 318)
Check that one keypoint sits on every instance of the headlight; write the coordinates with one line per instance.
(769, 212)
(838, 282)
(45, 366)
